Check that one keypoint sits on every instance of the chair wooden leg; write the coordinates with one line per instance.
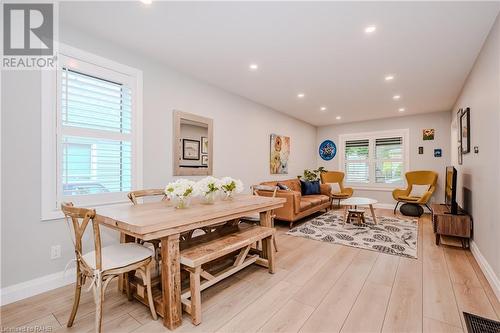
(270, 254)
(76, 302)
(149, 291)
(194, 286)
(275, 244)
(99, 295)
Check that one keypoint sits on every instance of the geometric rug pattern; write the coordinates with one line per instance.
(391, 235)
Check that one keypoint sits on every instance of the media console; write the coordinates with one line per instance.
(451, 225)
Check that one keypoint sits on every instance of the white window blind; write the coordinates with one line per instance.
(96, 141)
(389, 160)
(377, 159)
(357, 161)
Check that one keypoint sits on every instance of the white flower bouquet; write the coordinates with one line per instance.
(207, 188)
(180, 192)
(231, 186)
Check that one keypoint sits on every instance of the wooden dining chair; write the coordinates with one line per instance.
(255, 219)
(104, 263)
(133, 196)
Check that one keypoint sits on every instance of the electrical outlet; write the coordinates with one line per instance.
(55, 251)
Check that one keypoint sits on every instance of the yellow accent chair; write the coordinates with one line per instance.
(332, 177)
(422, 177)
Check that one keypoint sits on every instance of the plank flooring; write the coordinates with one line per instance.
(318, 287)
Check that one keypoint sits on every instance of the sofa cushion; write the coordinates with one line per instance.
(305, 204)
(316, 199)
(309, 188)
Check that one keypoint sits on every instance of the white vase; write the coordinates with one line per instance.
(228, 195)
(209, 198)
(182, 202)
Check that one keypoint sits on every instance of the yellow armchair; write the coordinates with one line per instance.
(421, 177)
(336, 177)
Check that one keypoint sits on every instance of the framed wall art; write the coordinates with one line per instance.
(190, 149)
(465, 130)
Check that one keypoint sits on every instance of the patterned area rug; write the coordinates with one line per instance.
(391, 235)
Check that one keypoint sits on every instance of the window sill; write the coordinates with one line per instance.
(368, 188)
(58, 215)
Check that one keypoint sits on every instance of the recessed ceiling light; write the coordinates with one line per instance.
(301, 95)
(147, 2)
(401, 109)
(370, 29)
(253, 67)
(323, 108)
(389, 77)
(338, 117)
(396, 97)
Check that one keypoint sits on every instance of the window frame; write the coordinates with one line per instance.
(372, 160)
(51, 128)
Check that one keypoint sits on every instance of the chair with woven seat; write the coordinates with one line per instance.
(336, 181)
(420, 187)
(104, 263)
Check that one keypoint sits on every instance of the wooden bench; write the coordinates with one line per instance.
(203, 250)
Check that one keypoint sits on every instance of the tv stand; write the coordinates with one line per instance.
(448, 224)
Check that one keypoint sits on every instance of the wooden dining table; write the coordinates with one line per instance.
(161, 220)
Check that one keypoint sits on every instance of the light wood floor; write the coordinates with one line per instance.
(318, 287)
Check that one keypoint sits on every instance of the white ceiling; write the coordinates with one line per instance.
(318, 48)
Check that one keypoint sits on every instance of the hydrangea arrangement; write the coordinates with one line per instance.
(231, 186)
(180, 192)
(207, 188)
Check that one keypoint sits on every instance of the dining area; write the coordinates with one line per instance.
(167, 253)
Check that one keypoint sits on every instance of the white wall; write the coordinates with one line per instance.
(241, 148)
(480, 173)
(440, 121)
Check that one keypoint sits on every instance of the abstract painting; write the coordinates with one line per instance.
(428, 134)
(280, 152)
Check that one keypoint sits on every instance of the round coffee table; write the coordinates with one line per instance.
(359, 201)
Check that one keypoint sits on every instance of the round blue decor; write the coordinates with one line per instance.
(327, 150)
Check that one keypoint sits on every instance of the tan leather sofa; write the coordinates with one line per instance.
(298, 206)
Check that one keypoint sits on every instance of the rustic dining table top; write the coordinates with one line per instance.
(159, 219)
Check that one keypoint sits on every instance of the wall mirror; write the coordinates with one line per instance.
(193, 144)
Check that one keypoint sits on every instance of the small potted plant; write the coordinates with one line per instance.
(231, 186)
(180, 192)
(207, 188)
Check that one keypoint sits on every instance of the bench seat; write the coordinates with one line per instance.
(205, 249)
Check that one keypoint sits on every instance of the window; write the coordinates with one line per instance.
(377, 159)
(92, 140)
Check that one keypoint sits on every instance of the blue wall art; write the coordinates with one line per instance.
(327, 150)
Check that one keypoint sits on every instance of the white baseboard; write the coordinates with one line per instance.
(384, 206)
(486, 268)
(36, 286)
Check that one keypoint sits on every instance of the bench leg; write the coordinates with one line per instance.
(194, 286)
(270, 254)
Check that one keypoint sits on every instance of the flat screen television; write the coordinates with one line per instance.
(451, 190)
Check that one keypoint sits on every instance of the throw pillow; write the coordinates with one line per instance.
(334, 188)
(283, 187)
(309, 188)
(418, 190)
